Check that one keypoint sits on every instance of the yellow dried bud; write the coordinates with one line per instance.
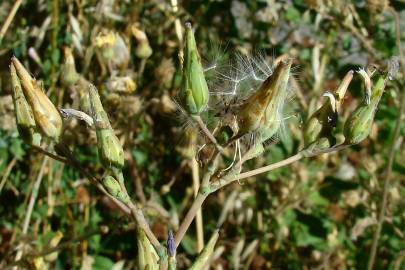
(114, 189)
(262, 112)
(113, 48)
(358, 125)
(69, 74)
(23, 113)
(109, 147)
(122, 84)
(46, 116)
(143, 49)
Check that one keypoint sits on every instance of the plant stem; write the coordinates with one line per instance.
(207, 188)
(231, 178)
(207, 133)
(7, 173)
(33, 198)
(10, 18)
(391, 156)
(199, 218)
(199, 200)
(387, 183)
(141, 222)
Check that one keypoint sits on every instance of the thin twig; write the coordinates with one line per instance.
(381, 215)
(49, 154)
(68, 243)
(207, 133)
(33, 198)
(199, 218)
(7, 173)
(207, 188)
(10, 18)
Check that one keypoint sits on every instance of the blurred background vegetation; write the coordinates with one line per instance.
(319, 213)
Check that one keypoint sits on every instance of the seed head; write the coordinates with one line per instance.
(262, 111)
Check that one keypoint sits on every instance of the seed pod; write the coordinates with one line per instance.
(322, 121)
(23, 113)
(206, 253)
(194, 94)
(147, 257)
(262, 112)
(358, 125)
(46, 116)
(69, 74)
(114, 189)
(109, 147)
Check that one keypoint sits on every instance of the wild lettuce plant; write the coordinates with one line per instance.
(234, 124)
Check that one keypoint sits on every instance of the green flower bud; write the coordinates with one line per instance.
(69, 74)
(358, 125)
(322, 122)
(194, 94)
(114, 189)
(147, 256)
(23, 113)
(206, 253)
(46, 116)
(109, 147)
(262, 112)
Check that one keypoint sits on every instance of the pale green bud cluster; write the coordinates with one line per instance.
(23, 113)
(147, 256)
(47, 117)
(194, 94)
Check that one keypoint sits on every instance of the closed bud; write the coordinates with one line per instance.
(69, 74)
(23, 113)
(263, 111)
(322, 122)
(358, 125)
(147, 256)
(143, 49)
(194, 94)
(114, 189)
(46, 116)
(109, 147)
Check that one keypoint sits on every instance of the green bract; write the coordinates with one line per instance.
(194, 94)
(23, 113)
(358, 125)
(114, 189)
(109, 147)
